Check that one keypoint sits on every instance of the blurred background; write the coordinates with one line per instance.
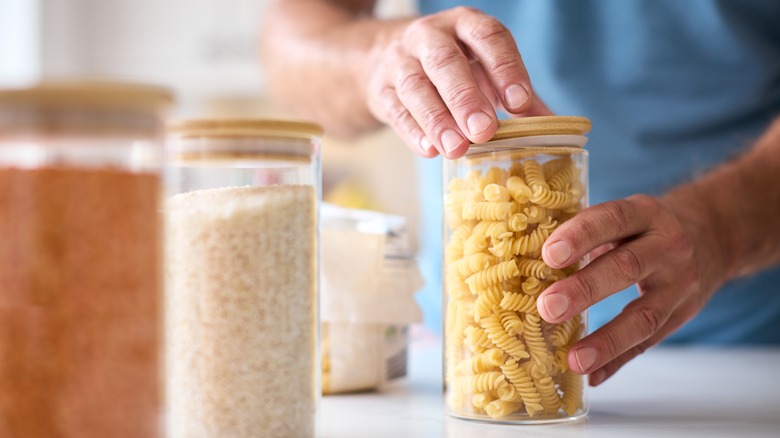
(207, 52)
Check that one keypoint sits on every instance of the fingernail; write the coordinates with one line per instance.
(559, 252)
(478, 123)
(556, 304)
(450, 140)
(586, 357)
(425, 145)
(516, 95)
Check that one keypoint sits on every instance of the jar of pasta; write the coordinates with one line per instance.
(80, 260)
(502, 200)
(242, 278)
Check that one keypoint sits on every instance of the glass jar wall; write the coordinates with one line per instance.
(502, 200)
(242, 278)
(80, 261)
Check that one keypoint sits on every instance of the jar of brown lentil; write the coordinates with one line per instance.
(80, 260)
(503, 199)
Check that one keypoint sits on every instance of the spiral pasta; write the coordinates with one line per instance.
(488, 211)
(534, 175)
(563, 332)
(473, 263)
(482, 362)
(511, 322)
(502, 360)
(549, 168)
(493, 275)
(519, 190)
(546, 197)
(533, 268)
(496, 193)
(481, 382)
(501, 408)
(464, 196)
(518, 302)
(524, 385)
(500, 338)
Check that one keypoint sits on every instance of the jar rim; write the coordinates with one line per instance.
(244, 127)
(541, 125)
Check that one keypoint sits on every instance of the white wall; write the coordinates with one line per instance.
(199, 47)
(19, 42)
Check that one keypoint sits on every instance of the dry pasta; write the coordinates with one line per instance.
(502, 359)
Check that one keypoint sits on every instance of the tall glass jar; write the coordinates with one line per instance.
(80, 260)
(502, 200)
(242, 278)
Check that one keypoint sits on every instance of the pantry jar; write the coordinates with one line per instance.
(80, 260)
(242, 278)
(502, 200)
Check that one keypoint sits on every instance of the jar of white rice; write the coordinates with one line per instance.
(242, 269)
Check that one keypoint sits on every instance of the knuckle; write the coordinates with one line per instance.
(442, 56)
(465, 10)
(587, 227)
(505, 64)
(420, 27)
(410, 81)
(435, 119)
(586, 287)
(628, 264)
(397, 115)
(613, 345)
(650, 318)
(646, 203)
(461, 96)
(617, 212)
(489, 29)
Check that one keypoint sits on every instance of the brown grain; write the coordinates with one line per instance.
(80, 304)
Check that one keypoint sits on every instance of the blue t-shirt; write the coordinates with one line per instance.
(672, 89)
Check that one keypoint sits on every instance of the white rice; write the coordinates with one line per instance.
(242, 312)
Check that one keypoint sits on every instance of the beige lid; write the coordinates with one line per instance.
(543, 125)
(98, 94)
(203, 140)
(245, 128)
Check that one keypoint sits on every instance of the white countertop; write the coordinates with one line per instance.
(667, 392)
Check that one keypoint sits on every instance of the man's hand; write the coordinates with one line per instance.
(640, 240)
(438, 81)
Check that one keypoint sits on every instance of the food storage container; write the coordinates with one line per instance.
(369, 277)
(242, 278)
(502, 200)
(80, 260)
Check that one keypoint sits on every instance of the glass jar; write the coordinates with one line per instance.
(80, 260)
(242, 278)
(502, 200)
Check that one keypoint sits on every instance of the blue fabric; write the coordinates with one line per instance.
(672, 88)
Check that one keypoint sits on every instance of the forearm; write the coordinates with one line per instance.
(738, 203)
(314, 52)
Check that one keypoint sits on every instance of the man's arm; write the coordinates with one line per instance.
(312, 53)
(436, 80)
(679, 249)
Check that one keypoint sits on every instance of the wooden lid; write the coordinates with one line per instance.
(261, 128)
(544, 125)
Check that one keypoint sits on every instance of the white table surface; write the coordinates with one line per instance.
(667, 392)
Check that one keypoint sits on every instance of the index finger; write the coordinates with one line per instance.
(596, 226)
(493, 45)
(448, 69)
